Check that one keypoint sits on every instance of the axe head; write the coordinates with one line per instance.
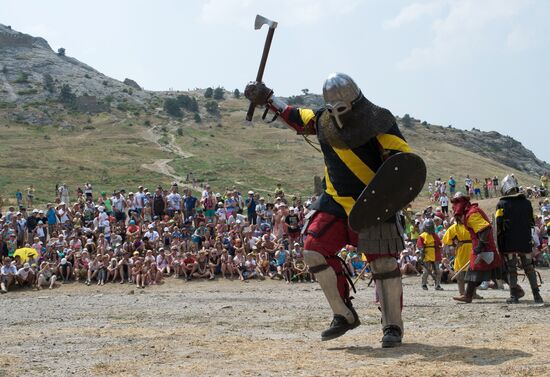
(261, 20)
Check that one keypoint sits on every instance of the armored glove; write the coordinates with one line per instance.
(258, 93)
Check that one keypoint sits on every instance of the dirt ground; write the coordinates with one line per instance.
(264, 328)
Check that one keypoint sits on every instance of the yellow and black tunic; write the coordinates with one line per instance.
(347, 171)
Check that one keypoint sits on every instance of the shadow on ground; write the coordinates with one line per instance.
(475, 356)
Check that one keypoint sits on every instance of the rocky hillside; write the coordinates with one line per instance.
(31, 73)
(492, 145)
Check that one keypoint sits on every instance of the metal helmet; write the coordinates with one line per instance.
(509, 185)
(429, 226)
(340, 92)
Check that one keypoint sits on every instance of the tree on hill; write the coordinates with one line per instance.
(237, 93)
(219, 93)
(212, 107)
(188, 103)
(48, 83)
(407, 122)
(197, 118)
(61, 51)
(172, 107)
(66, 95)
(305, 91)
(208, 92)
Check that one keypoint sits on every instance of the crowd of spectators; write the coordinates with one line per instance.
(144, 237)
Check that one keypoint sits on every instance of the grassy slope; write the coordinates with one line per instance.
(226, 152)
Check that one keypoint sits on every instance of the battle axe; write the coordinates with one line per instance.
(258, 23)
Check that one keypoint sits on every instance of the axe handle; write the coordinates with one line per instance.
(261, 69)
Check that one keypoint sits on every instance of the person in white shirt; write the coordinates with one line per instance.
(139, 200)
(174, 201)
(25, 275)
(444, 201)
(119, 204)
(151, 233)
(7, 275)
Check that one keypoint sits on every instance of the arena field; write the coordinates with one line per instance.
(269, 328)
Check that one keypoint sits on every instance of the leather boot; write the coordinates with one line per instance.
(340, 325)
(513, 299)
(467, 297)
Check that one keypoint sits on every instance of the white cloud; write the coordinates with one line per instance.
(462, 30)
(413, 12)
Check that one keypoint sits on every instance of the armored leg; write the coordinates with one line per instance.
(425, 273)
(387, 276)
(529, 268)
(511, 261)
(345, 317)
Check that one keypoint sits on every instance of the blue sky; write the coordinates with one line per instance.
(469, 63)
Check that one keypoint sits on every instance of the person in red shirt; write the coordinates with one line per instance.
(188, 265)
(133, 231)
(484, 259)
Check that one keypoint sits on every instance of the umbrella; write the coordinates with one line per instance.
(26, 253)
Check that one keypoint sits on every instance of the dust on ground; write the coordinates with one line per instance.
(267, 328)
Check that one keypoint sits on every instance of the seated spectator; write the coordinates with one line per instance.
(7, 275)
(407, 261)
(138, 275)
(238, 263)
(226, 262)
(264, 265)
(64, 270)
(25, 276)
(46, 276)
(112, 270)
(202, 268)
(188, 265)
(125, 268)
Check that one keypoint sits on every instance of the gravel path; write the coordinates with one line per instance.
(263, 329)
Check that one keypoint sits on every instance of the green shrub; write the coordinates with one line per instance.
(66, 95)
(180, 131)
(208, 92)
(188, 103)
(197, 118)
(172, 107)
(212, 107)
(23, 78)
(48, 83)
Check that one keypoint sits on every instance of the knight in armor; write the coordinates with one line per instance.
(355, 137)
(484, 258)
(514, 222)
(429, 247)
